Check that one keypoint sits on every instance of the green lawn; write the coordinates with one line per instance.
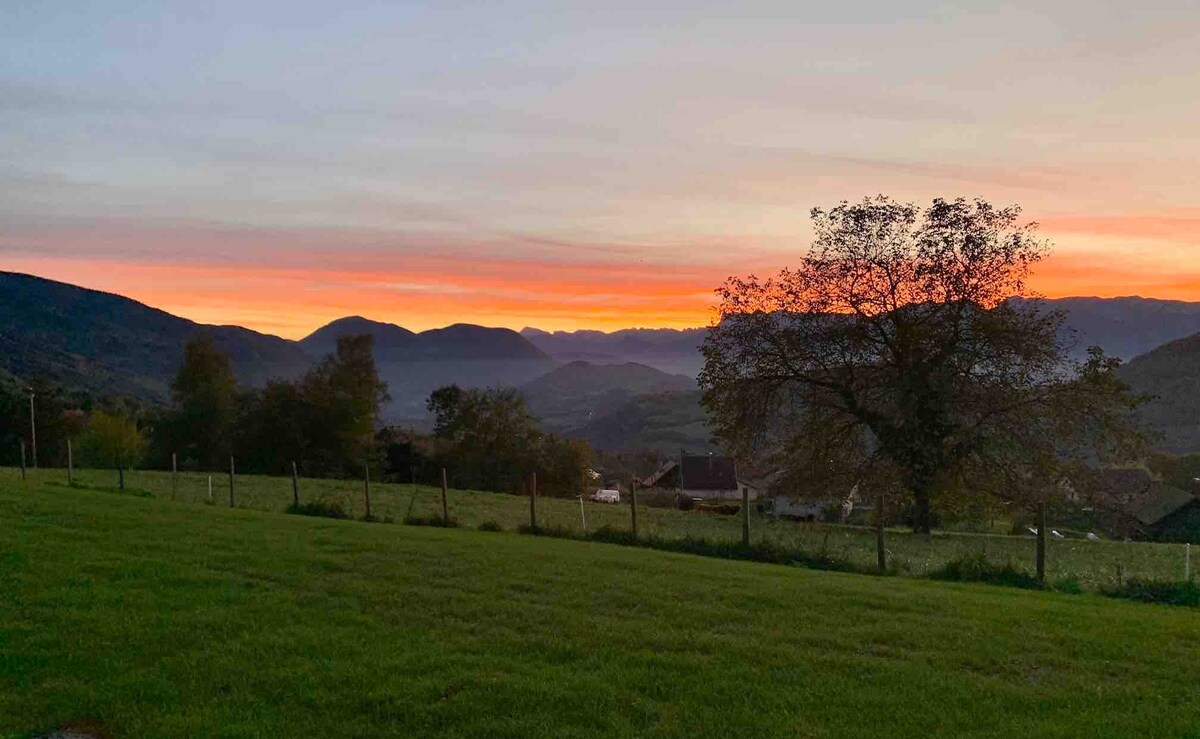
(1092, 564)
(155, 618)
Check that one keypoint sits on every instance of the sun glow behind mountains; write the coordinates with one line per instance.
(280, 164)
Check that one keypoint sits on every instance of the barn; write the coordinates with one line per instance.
(709, 477)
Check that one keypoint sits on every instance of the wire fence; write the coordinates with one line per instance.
(1089, 565)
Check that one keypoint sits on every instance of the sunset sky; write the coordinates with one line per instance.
(569, 165)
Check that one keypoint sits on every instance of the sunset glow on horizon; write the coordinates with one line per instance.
(281, 165)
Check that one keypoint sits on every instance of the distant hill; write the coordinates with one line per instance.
(1127, 327)
(1170, 373)
(461, 341)
(1123, 327)
(109, 344)
(675, 351)
(416, 364)
(389, 338)
(634, 392)
(578, 392)
(662, 422)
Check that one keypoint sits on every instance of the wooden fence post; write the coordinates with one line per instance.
(881, 550)
(232, 500)
(295, 486)
(210, 493)
(70, 464)
(22, 459)
(1041, 542)
(445, 507)
(533, 504)
(174, 474)
(120, 473)
(746, 516)
(367, 488)
(633, 506)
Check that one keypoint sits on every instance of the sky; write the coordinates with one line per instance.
(573, 165)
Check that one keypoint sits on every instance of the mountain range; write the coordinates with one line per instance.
(675, 351)
(1170, 377)
(110, 344)
(416, 364)
(623, 390)
(576, 393)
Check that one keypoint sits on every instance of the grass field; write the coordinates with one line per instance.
(1090, 564)
(145, 617)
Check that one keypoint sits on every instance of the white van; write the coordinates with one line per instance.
(606, 496)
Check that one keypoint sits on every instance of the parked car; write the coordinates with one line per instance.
(604, 495)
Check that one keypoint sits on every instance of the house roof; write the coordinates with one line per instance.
(709, 473)
(700, 472)
(1150, 500)
(1161, 501)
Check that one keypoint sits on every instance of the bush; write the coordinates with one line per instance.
(756, 552)
(490, 526)
(977, 568)
(319, 508)
(1180, 593)
(555, 532)
(436, 521)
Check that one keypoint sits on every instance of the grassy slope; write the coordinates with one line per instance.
(1092, 563)
(164, 619)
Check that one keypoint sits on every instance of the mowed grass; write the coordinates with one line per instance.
(147, 617)
(1090, 564)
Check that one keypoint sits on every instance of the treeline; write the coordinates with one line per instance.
(327, 423)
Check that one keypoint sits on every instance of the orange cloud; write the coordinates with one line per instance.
(289, 282)
(291, 301)
(1181, 227)
(1102, 275)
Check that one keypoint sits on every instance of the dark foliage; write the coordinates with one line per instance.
(491, 442)
(434, 521)
(1182, 593)
(977, 568)
(320, 508)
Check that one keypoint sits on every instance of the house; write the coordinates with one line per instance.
(1169, 514)
(710, 477)
(1132, 503)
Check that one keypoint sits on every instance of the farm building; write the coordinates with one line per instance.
(1132, 503)
(710, 477)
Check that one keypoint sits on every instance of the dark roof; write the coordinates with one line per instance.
(1150, 500)
(700, 472)
(709, 473)
(1160, 502)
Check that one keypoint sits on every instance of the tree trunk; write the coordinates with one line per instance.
(922, 511)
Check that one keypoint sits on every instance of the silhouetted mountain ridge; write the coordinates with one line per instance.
(578, 392)
(1170, 374)
(109, 344)
(460, 341)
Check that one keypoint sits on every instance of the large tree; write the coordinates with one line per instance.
(342, 397)
(903, 349)
(488, 440)
(205, 403)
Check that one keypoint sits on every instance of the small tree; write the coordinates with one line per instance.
(112, 438)
(896, 351)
